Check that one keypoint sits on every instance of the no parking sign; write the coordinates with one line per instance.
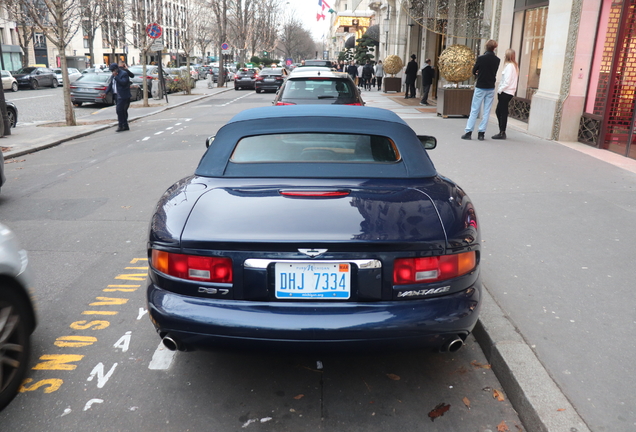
(153, 31)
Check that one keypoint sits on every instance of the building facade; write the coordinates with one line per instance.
(576, 58)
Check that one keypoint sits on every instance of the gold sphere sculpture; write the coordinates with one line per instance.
(393, 64)
(456, 63)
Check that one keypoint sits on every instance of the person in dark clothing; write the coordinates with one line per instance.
(427, 80)
(485, 69)
(411, 76)
(367, 75)
(352, 70)
(120, 87)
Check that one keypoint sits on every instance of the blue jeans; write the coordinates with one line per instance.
(480, 95)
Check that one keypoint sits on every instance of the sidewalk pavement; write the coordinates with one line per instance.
(545, 401)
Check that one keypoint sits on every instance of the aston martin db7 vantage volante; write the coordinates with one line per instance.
(310, 226)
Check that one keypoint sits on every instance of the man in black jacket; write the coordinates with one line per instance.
(486, 71)
(411, 76)
(427, 80)
(120, 87)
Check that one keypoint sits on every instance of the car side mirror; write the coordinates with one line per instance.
(429, 142)
(209, 141)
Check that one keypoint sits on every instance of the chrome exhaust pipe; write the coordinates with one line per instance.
(171, 343)
(452, 345)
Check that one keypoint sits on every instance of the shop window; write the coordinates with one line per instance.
(531, 55)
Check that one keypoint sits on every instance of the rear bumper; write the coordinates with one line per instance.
(200, 323)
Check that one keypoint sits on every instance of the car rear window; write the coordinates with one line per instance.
(315, 147)
(318, 88)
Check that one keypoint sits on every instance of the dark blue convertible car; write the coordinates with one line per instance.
(315, 227)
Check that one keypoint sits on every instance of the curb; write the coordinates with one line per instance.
(17, 153)
(540, 403)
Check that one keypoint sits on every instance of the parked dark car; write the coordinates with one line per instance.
(318, 87)
(204, 71)
(270, 79)
(245, 78)
(12, 113)
(315, 226)
(215, 74)
(91, 87)
(36, 77)
(17, 315)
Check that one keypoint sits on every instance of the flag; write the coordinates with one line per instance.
(322, 4)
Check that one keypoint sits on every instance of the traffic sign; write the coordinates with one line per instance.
(156, 46)
(225, 46)
(154, 30)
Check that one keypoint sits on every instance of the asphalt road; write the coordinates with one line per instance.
(82, 209)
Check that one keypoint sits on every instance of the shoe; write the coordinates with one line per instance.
(481, 136)
(126, 128)
(467, 136)
(120, 130)
(500, 135)
(423, 103)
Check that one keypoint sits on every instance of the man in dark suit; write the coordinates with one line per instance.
(427, 80)
(120, 87)
(411, 76)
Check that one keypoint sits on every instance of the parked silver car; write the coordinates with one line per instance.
(17, 315)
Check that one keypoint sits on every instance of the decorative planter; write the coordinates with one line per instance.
(454, 102)
(392, 84)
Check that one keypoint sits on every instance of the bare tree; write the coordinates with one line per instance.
(265, 32)
(59, 21)
(220, 9)
(26, 29)
(242, 24)
(295, 40)
(113, 25)
(202, 26)
(92, 17)
(139, 16)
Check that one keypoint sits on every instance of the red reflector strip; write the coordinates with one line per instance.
(284, 103)
(315, 193)
(356, 104)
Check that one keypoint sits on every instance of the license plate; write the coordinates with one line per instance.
(313, 280)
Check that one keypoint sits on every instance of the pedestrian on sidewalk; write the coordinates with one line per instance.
(427, 80)
(379, 74)
(360, 78)
(485, 69)
(120, 87)
(506, 91)
(411, 76)
(367, 75)
(352, 70)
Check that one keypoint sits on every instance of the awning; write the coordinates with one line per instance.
(373, 32)
(351, 42)
(11, 48)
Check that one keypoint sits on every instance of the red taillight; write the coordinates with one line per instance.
(432, 269)
(320, 194)
(193, 267)
(279, 78)
(283, 103)
(101, 88)
(73, 87)
(237, 76)
(259, 78)
(356, 104)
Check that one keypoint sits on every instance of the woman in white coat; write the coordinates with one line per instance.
(506, 91)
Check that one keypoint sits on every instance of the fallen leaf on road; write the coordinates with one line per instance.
(466, 402)
(479, 365)
(561, 409)
(300, 396)
(497, 395)
(394, 377)
(438, 411)
(502, 427)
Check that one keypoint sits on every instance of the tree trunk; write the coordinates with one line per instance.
(68, 105)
